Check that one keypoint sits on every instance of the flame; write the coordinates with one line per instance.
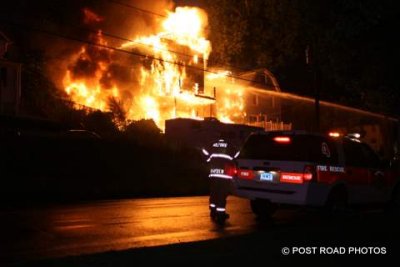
(168, 83)
(186, 27)
(230, 106)
(151, 108)
(88, 90)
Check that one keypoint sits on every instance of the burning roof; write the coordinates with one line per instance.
(167, 82)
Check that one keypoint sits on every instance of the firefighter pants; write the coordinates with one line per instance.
(219, 190)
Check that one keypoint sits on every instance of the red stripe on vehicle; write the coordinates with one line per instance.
(245, 174)
(291, 177)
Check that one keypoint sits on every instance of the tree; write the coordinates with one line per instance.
(143, 130)
(101, 123)
(352, 43)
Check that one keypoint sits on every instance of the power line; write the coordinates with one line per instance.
(107, 34)
(25, 27)
(137, 8)
(130, 40)
(164, 16)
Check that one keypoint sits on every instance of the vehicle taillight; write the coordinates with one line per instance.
(230, 169)
(309, 173)
(245, 174)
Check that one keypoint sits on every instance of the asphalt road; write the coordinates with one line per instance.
(34, 234)
(58, 231)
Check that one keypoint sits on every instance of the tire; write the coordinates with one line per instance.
(394, 204)
(337, 202)
(263, 208)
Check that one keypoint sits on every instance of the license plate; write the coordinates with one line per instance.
(267, 176)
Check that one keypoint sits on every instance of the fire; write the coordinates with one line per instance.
(169, 82)
(88, 90)
(151, 108)
(230, 105)
(186, 27)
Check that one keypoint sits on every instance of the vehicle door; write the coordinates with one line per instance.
(356, 172)
(378, 177)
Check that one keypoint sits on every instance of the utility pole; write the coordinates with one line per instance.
(313, 68)
(175, 112)
(215, 97)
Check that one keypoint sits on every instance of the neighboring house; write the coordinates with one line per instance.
(259, 97)
(263, 107)
(10, 80)
(266, 106)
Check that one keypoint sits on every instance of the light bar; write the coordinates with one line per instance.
(334, 134)
(282, 139)
(354, 135)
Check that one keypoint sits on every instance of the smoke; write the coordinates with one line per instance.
(110, 24)
(90, 17)
(115, 68)
(130, 22)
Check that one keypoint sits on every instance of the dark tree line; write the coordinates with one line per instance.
(352, 46)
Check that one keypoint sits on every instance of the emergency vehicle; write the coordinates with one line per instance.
(307, 169)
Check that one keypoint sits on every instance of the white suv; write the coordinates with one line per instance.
(307, 169)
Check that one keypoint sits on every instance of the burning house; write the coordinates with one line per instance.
(248, 97)
(170, 79)
(166, 81)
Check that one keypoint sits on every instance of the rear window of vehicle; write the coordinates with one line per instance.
(300, 148)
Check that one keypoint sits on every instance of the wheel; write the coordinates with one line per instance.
(394, 204)
(263, 208)
(337, 202)
(396, 199)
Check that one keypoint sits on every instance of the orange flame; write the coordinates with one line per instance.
(170, 84)
(230, 105)
(186, 27)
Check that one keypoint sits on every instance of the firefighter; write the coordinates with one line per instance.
(220, 157)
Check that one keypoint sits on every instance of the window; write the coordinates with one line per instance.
(300, 148)
(372, 160)
(323, 151)
(360, 155)
(353, 153)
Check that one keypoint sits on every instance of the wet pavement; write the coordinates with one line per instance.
(32, 234)
(87, 228)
